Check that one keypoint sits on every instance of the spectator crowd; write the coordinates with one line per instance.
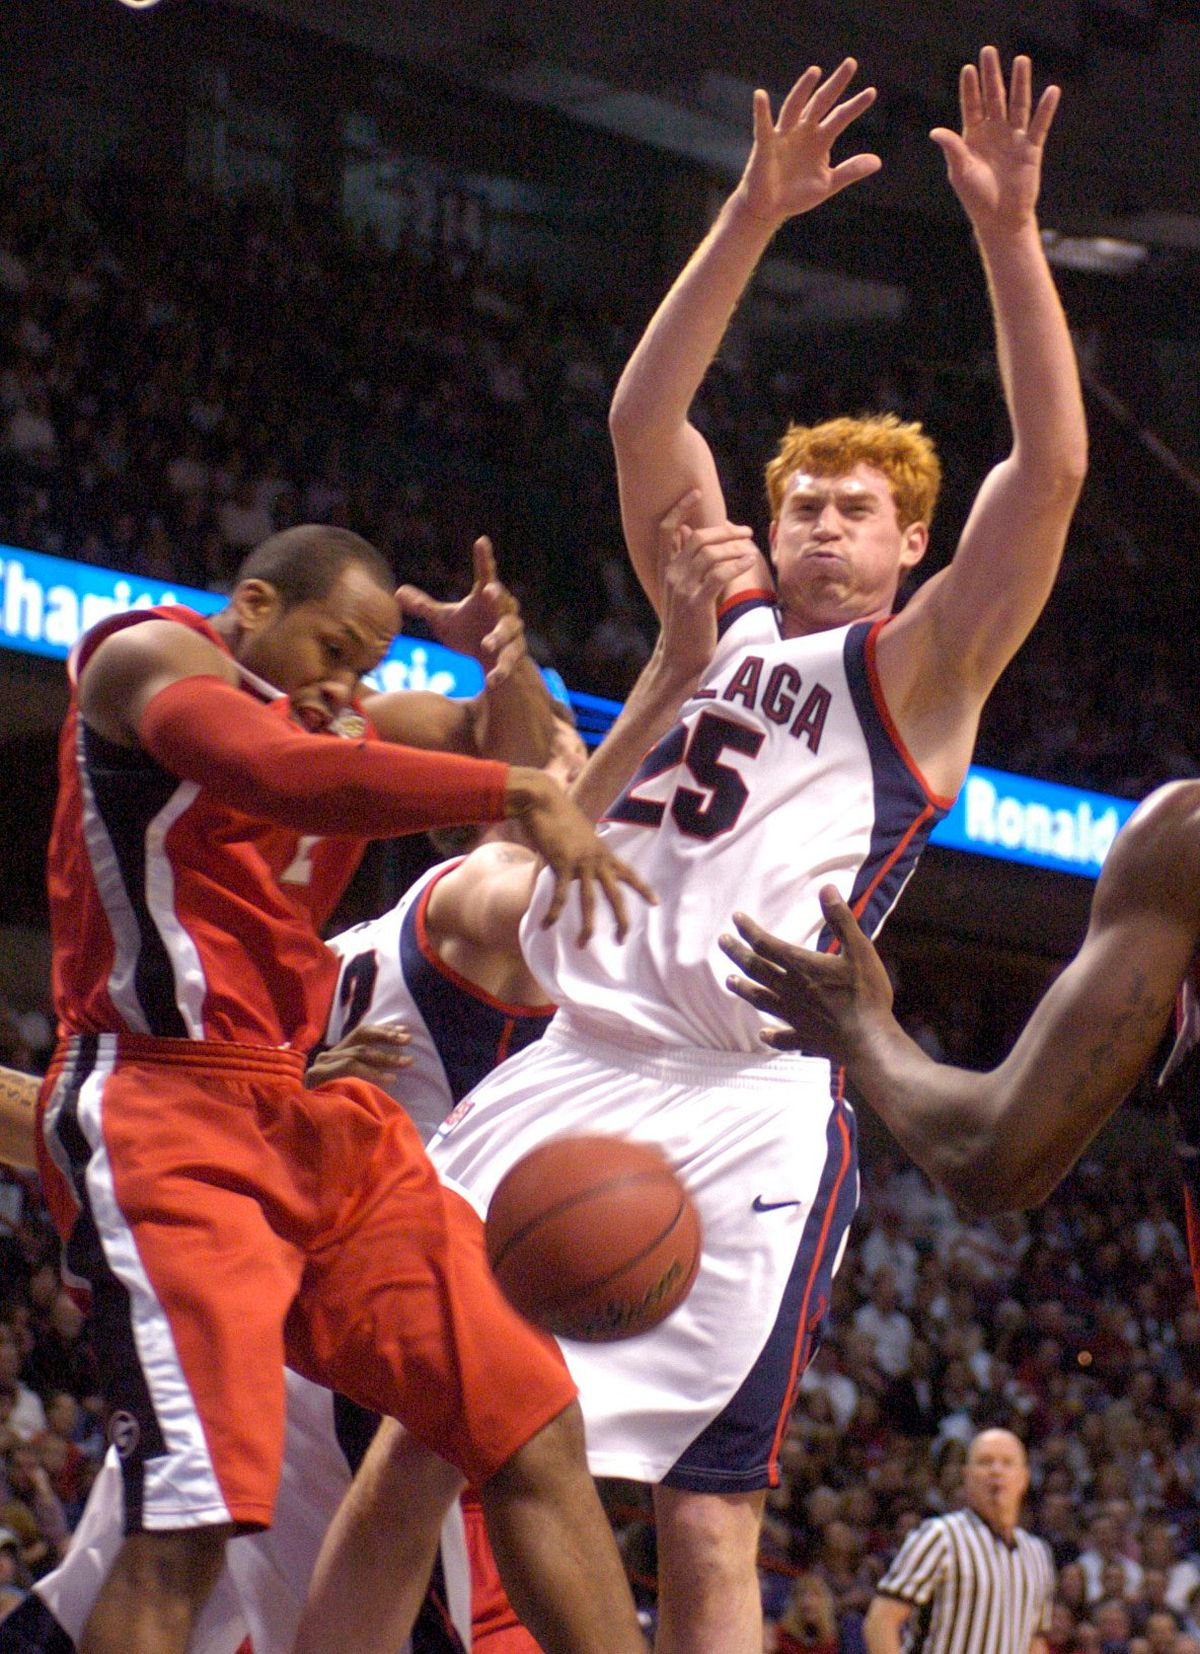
(180, 376)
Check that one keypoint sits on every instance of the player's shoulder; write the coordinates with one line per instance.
(154, 640)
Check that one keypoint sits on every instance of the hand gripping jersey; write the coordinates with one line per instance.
(784, 773)
(160, 895)
(390, 973)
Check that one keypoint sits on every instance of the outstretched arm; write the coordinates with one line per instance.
(1005, 1139)
(963, 627)
(660, 454)
(511, 718)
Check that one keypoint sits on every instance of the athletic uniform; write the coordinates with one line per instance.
(784, 773)
(207, 1197)
(388, 972)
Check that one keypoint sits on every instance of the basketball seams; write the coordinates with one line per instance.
(593, 1191)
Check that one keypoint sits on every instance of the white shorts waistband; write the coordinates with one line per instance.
(685, 1064)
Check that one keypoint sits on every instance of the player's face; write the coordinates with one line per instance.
(838, 548)
(996, 1477)
(318, 651)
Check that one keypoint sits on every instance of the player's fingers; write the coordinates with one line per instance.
(483, 561)
(991, 81)
(562, 884)
(824, 98)
(1044, 114)
(841, 920)
(853, 171)
(634, 880)
(753, 964)
(1020, 94)
(783, 1039)
(781, 954)
(794, 104)
(970, 95)
(413, 601)
(587, 906)
(762, 999)
(836, 122)
(763, 125)
(952, 147)
(615, 898)
(672, 519)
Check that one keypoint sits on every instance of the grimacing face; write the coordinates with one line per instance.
(318, 651)
(838, 548)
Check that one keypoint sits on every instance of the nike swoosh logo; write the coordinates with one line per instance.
(761, 1205)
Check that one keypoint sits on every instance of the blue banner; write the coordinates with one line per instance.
(47, 603)
(1040, 823)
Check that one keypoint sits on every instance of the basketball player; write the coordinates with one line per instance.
(445, 966)
(1005, 1139)
(826, 741)
(200, 1189)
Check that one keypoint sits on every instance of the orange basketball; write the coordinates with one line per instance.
(594, 1237)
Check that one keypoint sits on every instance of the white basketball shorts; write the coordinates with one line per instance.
(769, 1157)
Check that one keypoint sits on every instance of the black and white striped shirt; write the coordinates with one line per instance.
(975, 1592)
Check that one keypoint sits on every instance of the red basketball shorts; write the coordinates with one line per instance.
(225, 1218)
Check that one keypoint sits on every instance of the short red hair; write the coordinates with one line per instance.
(901, 451)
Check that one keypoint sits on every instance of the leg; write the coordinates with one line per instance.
(708, 1593)
(554, 1547)
(158, 1585)
(374, 1566)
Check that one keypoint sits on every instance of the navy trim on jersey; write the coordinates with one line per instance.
(736, 1451)
(742, 606)
(122, 1381)
(470, 1032)
(129, 790)
(32, 1629)
(904, 814)
(354, 1427)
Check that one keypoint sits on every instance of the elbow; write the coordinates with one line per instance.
(982, 1174)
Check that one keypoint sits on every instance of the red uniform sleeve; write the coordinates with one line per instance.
(205, 731)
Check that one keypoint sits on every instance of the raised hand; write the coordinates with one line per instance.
(698, 564)
(789, 170)
(830, 1001)
(485, 624)
(995, 166)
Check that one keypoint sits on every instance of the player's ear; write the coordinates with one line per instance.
(914, 543)
(772, 536)
(256, 603)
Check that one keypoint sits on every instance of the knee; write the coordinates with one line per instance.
(709, 1537)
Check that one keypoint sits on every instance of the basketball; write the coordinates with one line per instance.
(594, 1238)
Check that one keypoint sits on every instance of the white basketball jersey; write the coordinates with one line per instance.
(390, 973)
(784, 773)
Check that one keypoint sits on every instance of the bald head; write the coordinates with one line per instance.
(995, 1478)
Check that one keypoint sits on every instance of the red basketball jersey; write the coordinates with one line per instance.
(176, 915)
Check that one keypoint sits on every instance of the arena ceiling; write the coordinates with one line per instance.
(679, 73)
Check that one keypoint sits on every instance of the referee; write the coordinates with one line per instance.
(972, 1582)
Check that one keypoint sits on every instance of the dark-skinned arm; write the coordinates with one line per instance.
(1005, 1139)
